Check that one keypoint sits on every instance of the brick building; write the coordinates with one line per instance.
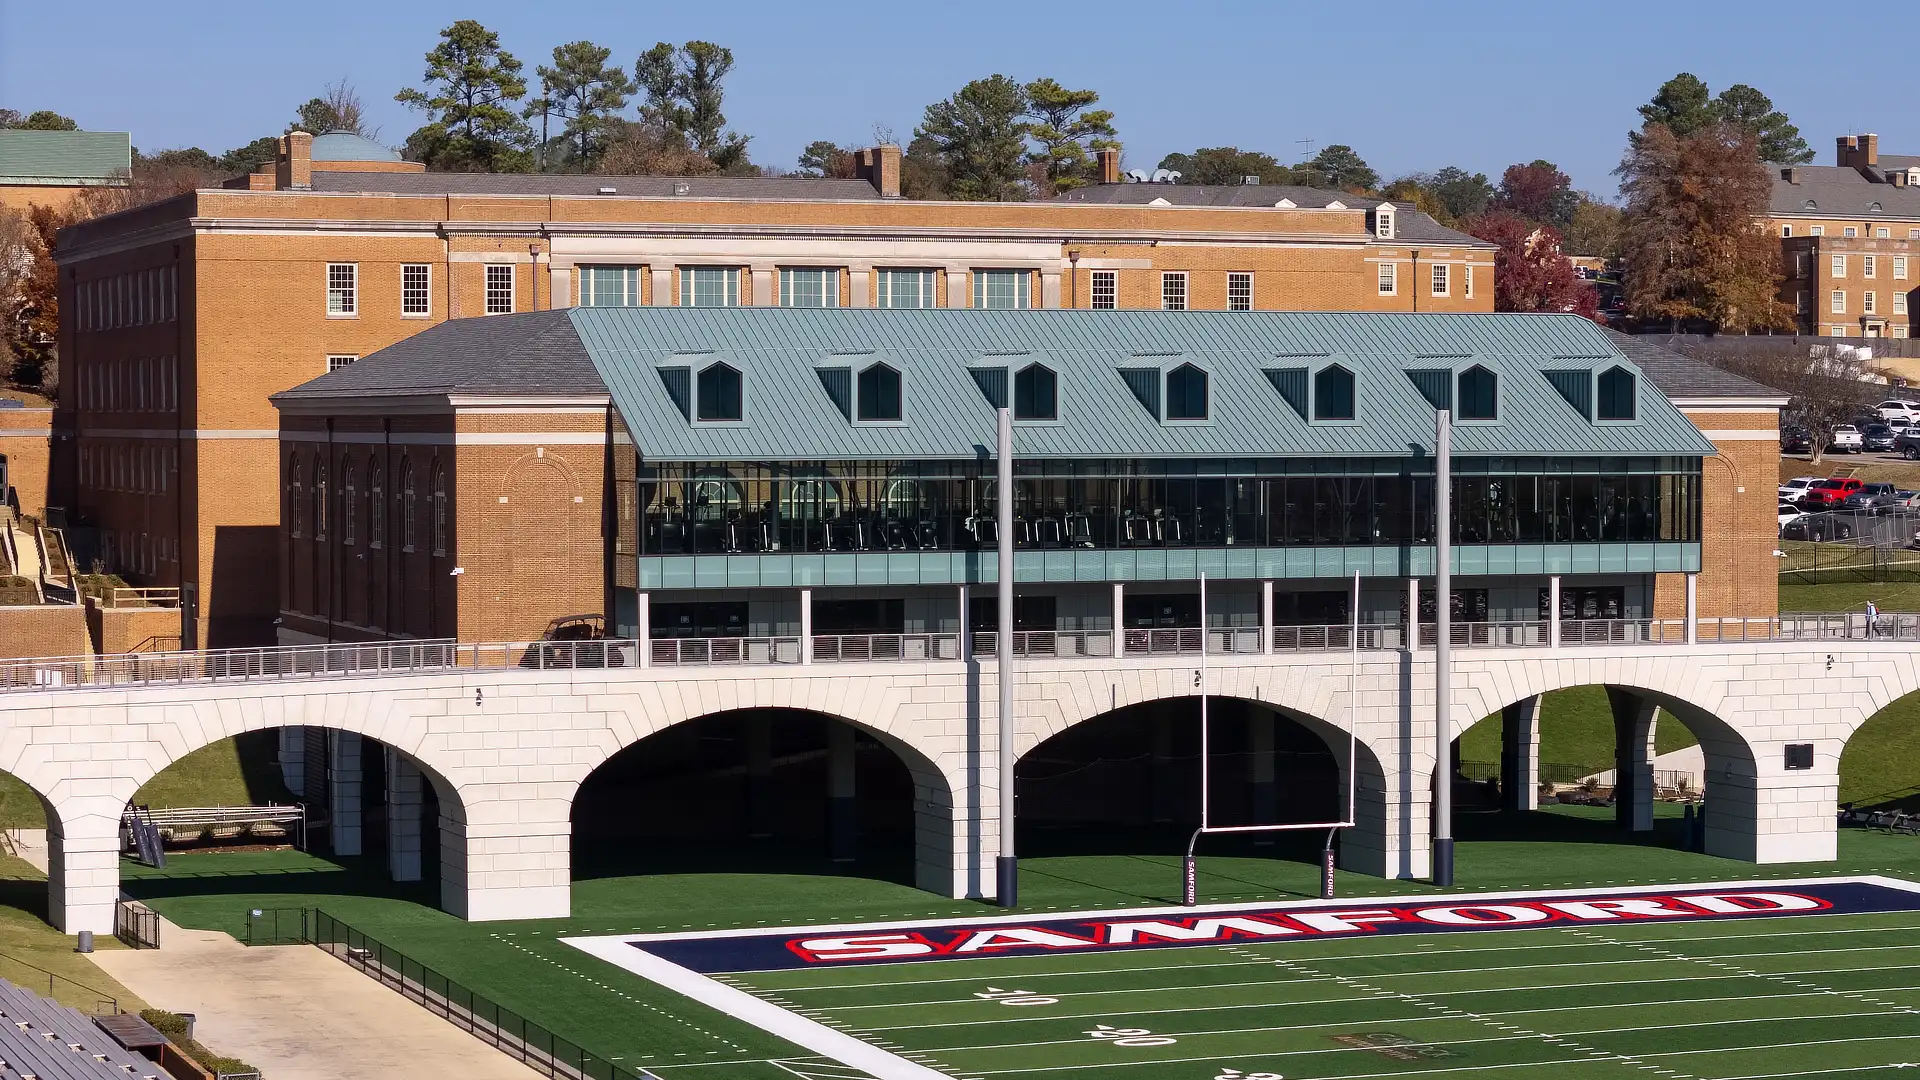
(181, 318)
(804, 479)
(1850, 240)
(49, 168)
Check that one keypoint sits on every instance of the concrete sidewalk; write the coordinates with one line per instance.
(296, 1013)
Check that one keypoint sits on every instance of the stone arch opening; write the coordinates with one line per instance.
(1876, 760)
(780, 790)
(1127, 782)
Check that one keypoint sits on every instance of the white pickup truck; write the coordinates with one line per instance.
(1846, 440)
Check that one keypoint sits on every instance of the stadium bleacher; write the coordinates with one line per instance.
(45, 1040)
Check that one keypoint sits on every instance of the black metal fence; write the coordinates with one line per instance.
(279, 926)
(136, 925)
(490, 1022)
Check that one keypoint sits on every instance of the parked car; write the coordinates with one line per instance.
(1907, 444)
(1898, 423)
(1792, 491)
(1846, 440)
(1819, 528)
(1906, 501)
(1795, 440)
(1899, 407)
(1869, 497)
(1828, 493)
(1789, 512)
(1877, 438)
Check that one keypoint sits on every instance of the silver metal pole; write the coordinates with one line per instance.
(1008, 864)
(1442, 652)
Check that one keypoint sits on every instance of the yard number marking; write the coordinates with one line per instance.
(1016, 997)
(1130, 1036)
(1236, 1074)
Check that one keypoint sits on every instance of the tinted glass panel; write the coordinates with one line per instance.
(1035, 394)
(719, 394)
(879, 394)
(1186, 393)
(1478, 397)
(1333, 394)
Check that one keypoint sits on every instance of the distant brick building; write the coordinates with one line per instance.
(1850, 240)
(180, 318)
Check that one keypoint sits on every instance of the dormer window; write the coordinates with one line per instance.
(1616, 394)
(1478, 396)
(1186, 393)
(1333, 394)
(1036, 393)
(878, 396)
(1383, 222)
(1873, 208)
(1809, 205)
(717, 395)
(1913, 177)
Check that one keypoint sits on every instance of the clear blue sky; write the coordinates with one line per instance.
(1411, 85)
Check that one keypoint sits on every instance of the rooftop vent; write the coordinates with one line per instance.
(1250, 181)
(609, 191)
(682, 188)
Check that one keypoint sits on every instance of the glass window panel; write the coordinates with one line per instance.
(709, 286)
(1333, 394)
(1186, 393)
(878, 394)
(610, 286)
(1003, 289)
(719, 394)
(1478, 396)
(1035, 393)
(907, 288)
(811, 287)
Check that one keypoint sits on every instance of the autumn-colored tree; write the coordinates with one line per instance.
(1530, 273)
(1538, 192)
(1691, 237)
(652, 148)
(1595, 228)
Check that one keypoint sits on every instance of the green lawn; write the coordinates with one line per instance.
(1576, 728)
(40, 958)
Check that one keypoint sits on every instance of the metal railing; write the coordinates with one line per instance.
(697, 652)
(858, 648)
(1047, 643)
(125, 596)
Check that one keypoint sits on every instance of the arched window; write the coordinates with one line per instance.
(376, 505)
(1186, 393)
(879, 396)
(1616, 394)
(1036, 393)
(719, 394)
(1479, 394)
(439, 537)
(349, 503)
(296, 497)
(409, 515)
(319, 498)
(1333, 394)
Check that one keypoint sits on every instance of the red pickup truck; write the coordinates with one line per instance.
(1831, 491)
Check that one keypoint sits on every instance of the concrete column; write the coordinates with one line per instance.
(762, 286)
(1553, 611)
(1119, 619)
(759, 775)
(83, 864)
(1266, 616)
(1160, 776)
(510, 859)
(1693, 609)
(843, 808)
(643, 628)
(957, 288)
(806, 626)
(1266, 801)
(560, 282)
(1050, 288)
(966, 632)
(1413, 613)
(1633, 730)
(663, 287)
(860, 286)
(293, 758)
(405, 803)
(1520, 756)
(343, 791)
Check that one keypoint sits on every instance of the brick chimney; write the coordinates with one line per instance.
(1109, 160)
(293, 167)
(880, 166)
(1857, 151)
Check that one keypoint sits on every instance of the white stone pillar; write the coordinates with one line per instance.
(1119, 619)
(966, 632)
(83, 863)
(843, 807)
(860, 287)
(293, 759)
(1520, 755)
(759, 775)
(956, 287)
(806, 626)
(1693, 610)
(663, 287)
(1413, 613)
(1266, 616)
(762, 286)
(405, 804)
(1050, 288)
(1553, 611)
(1633, 726)
(509, 857)
(643, 628)
(343, 791)
(560, 284)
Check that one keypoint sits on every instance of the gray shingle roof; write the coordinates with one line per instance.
(63, 157)
(532, 354)
(698, 187)
(1411, 224)
(1680, 376)
(1837, 191)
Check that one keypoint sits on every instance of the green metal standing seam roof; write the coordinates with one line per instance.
(63, 158)
(790, 415)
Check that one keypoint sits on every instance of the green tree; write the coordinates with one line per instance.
(828, 159)
(1067, 130)
(1682, 105)
(340, 109)
(1463, 194)
(684, 94)
(471, 80)
(245, 159)
(1594, 229)
(1777, 139)
(188, 157)
(40, 120)
(1339, 167)
(1413, 189)
(923, 171)
(584, 90)
(1227, 165)
(980, 139)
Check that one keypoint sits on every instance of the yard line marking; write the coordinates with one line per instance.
(1824, 1072)
(737, 1048)
(1771, 976)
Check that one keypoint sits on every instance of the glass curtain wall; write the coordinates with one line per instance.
(746, 507)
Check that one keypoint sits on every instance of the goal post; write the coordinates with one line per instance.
(1189, 867)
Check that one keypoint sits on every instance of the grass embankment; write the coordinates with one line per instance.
(1576, 728)
(38, 957)
(232, 772)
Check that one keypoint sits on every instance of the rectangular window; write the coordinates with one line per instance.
(343, 288)
(1867, 303)
(1801, 303)
(1239, 292)
(1802, 265)
(1839, 302)
(1440, 279)
(1786, 230)
(1839, 266)
(1882, 233)
(610, 286)
(1817, 230)
(1173, 291)
(1839, 331)
(1913, 234)
(1002, 289)
(1899, 303)
(1849, 232)
(499, 288)
(416, 289)
(709, 286)
(1899, 268)
(909, 288)
(335, 363)
(1867, 265)
(1389, 279)
(1466, 281)
(1106, 289)
(813, 287)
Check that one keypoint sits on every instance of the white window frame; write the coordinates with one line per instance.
(1240, 290)
(1111, 280)
(336, 361)
(1442, 279)
(424, 290)
(1839, 331)
(827, 277)
(1899, 302)
(1899, 268)
(1881, 232)
(1786, 230)
(629, 285)
(926, 286)
(1839, 266)
(1466, 281)
(1383, 222)
(1868, 301)
(1817, 230)
(1849, 232)
(343, 290)
(1868, 266)
(1389, 277)
(1022, 287)
(1174, 295)
(1838, 302)
(729, 279)
(492, 276)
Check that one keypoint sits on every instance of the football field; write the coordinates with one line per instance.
(1711, 982)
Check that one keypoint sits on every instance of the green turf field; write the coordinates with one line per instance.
(1782, 997)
